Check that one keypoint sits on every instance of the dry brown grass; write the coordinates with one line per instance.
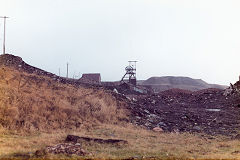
(34, 103)
(142, 144)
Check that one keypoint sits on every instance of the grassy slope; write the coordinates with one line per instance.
(35, 103)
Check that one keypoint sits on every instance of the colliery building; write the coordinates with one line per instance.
(92, 78)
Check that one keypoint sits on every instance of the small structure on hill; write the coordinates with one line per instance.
(130, 75)
(129, 80)
(94, 78)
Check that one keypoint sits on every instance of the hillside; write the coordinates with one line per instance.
(168, 82)
(39, 111)
(34, 100)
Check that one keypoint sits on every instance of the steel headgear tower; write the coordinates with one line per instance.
(130, 75)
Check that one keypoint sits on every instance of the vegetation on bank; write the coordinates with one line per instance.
(31, 103)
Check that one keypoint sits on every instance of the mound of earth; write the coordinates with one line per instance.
(207, 111)
(32, 99)
(159, 84)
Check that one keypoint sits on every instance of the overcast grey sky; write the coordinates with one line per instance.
(194, 38)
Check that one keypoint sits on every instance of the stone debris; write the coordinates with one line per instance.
(67, 148)
(73, 145)
(115, 90)
(232, 89)
(197, 128)
(213, 110)
(158, 129)
(208, 111)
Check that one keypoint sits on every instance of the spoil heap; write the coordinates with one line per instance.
(175, 110)
(33, 99)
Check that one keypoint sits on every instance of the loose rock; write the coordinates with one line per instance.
(158, 129)
(67, 148)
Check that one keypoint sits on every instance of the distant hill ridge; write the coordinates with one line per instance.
(159, 84)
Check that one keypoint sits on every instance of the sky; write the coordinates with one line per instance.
(192, 38)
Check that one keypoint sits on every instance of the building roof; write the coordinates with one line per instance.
(96, 77)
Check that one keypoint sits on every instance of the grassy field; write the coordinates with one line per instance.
(141, 144)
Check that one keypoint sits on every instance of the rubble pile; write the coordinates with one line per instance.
(67, 148)
(73, 145)
(233, 89)
(176, 110)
